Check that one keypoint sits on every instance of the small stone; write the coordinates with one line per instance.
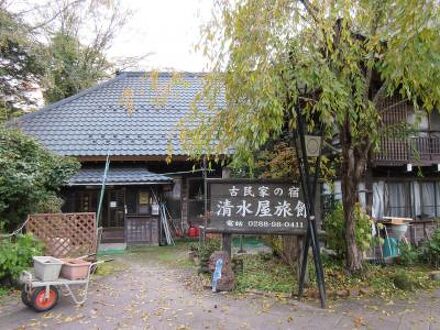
(192, 255)
(343, 293)
(331, 293)
(403, 282)
(364, 291)
(435, 276)
(313, 293)
(354, 292)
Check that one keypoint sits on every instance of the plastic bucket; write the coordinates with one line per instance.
(390, 248)
(47, 268)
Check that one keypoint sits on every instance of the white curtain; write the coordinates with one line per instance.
(338, 190)
(396, 199)
(378, 200)
(437, 183)
(428, 199)
(415, 198)
(362, 195)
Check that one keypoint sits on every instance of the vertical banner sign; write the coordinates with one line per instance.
(256, 206)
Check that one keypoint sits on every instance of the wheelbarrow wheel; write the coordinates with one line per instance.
(39, 301)
(26, 297)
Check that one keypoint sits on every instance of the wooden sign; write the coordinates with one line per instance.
(256, 206)
(144, 198)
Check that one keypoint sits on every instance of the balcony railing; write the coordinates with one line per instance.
(417, 150)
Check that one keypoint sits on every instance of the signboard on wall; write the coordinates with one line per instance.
(144, 198)
(256, 206)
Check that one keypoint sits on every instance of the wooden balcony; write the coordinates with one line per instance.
(420, 150)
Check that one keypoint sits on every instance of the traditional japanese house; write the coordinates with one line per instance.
(133, 119)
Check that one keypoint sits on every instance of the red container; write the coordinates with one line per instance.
(193, 232)
(75, 269)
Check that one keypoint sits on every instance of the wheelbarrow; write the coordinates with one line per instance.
(43, 295)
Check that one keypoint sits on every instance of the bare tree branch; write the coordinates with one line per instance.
(56, 15)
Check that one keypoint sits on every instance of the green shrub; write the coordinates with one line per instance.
(204, 251)
(30, 177)
(334, 225)
(16, 255)
(409, 254)
(430, 250)
(404, 282)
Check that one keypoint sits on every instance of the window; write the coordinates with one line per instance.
(397, 199)
(426, 199)
(144, 200)
(196, 203)
(378, 200)
(173, 198)
(412, 199)
(138, 201)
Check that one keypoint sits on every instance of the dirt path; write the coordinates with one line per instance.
(151, 295)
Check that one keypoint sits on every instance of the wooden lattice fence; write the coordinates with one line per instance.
(65, 234)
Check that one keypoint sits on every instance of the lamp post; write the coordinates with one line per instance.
(309, 146)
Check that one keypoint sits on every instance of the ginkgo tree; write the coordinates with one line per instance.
(336, 60)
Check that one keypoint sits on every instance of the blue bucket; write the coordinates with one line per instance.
(390, 247)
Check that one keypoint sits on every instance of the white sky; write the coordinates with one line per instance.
(167, 28)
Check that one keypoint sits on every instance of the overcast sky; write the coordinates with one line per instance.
(167, 28)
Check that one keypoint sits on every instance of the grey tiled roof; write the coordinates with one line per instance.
(96, 121)
(92, 175)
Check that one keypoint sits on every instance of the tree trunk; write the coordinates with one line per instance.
(353, 165)
(353, 257)
(290, 248)
(301, 240)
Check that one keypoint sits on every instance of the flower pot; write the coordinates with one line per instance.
(75, 269)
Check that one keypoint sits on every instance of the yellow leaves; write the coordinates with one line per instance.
(127, 100)
(183, 327)
(170, 151)
(359, 322)
(145, 316)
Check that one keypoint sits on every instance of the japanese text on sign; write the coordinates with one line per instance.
(257, 206)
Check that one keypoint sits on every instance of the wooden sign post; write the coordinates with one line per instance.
(270, 207)
(247, 206)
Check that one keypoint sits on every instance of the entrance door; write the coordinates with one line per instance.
(113, 223)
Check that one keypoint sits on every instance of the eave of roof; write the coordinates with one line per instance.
(117, 175)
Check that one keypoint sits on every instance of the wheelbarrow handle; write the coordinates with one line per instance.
(101, 262)
(98, 262)
(25, 277)
(86, 256)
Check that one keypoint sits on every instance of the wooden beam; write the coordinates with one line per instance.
(227, 237)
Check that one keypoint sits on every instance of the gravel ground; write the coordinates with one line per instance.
(152, 294)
